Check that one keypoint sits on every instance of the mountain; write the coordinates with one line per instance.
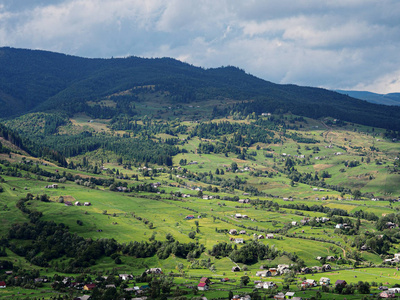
(386, 99)
(41, 81)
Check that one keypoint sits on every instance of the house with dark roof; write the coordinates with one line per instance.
(340, 282)
(205, 280)
(89, 286)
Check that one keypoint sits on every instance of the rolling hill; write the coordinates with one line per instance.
(40, 81)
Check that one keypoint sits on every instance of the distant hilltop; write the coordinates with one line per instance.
(385, 99)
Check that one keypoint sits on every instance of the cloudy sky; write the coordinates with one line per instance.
(336, 44)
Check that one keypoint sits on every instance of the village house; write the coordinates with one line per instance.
(341, 282)
(233, 231)
(244, 201)
(304, 221)
(330, 258)
(239, 241)
(242, 232)
(326, 267)
(237, 297)
(205, 280)
(238, 216)
(3, 285)
(125, 276)
(308, 283)
(236, 269)
(89, 286)
(189, 217)
(279, 296)
(364, 247)
(395, 290)
(268, 285)
(77, 203)
(52, 186)
(273, 271)
(316, 268)
(324, 281)
(202, 286)
(283, 268)
(154, 271)
(260, 237)
(289, 295)
(390, 225)
(84, 297)
(294, 223)
(270, 236)
(87, 204)
(266, 273)
(122, 189)
(387, 294)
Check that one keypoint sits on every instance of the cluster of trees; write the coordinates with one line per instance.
(252, 252)
(221, 250)
(147, 128)
(138, 149)
(163, 249)
(244, 135)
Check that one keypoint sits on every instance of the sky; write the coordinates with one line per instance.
(335, 44)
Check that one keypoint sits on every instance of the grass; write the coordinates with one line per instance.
(116, 214)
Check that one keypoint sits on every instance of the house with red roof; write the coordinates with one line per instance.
(202, 286)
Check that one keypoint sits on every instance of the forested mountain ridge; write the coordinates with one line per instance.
(34, 80)
(386, 99)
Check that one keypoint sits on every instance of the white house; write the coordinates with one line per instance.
(269, 285)
(324, 281)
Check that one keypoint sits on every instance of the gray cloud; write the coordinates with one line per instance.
(334, 44)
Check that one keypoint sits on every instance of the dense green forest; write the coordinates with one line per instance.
(45, 81)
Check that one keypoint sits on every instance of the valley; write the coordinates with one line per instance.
(133, 178)
(283, 189)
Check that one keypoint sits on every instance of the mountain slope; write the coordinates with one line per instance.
(44, 81)
(386, 99)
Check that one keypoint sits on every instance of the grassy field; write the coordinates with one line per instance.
(119, 216)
